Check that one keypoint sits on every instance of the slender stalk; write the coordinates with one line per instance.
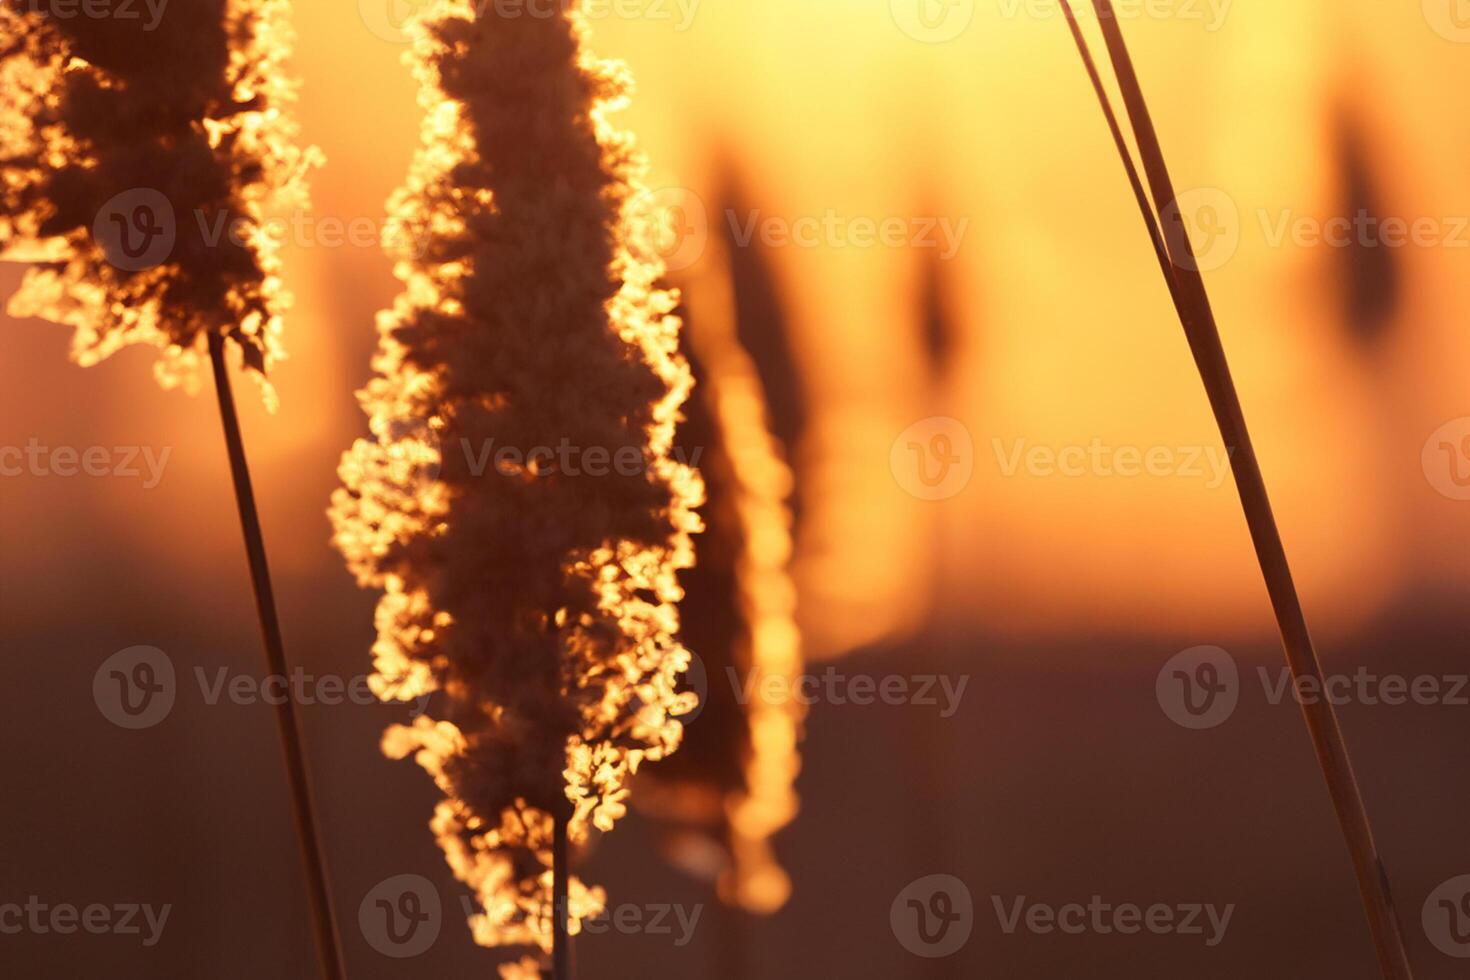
(1187, 288)
(328, 942)
(561, 940)
(732, 951)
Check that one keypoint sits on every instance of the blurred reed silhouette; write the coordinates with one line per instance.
(732, 785)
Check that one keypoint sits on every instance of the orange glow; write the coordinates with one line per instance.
(983, 444)
(1065, 334)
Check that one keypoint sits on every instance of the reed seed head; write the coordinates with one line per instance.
(137, 161)
(539, 604)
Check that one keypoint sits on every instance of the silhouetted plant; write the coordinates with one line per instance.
(538, 600)
(731, 788)
(139, 158)
(139, 161)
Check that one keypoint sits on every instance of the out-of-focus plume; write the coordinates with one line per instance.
(519, 506)
(140, 157)
(732, 786)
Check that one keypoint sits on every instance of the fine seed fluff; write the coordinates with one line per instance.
(138, 159)
(518, 504)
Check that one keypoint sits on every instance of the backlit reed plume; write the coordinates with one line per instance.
(1169, 235)
(732, 785)
(140, 154)
(534, 590)
(139, 158)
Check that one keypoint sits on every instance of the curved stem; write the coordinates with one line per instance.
(328, 942)
(561, 940)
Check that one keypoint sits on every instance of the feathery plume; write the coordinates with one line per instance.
(139, 158)
(529, 574)
(731, 788)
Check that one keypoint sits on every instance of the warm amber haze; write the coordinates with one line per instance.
(1045, 329)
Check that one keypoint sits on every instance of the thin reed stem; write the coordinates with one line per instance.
(328, 942)
(731, 950)
(561, 940)
(1187, 288)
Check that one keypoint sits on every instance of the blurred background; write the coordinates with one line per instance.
(940, 277)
